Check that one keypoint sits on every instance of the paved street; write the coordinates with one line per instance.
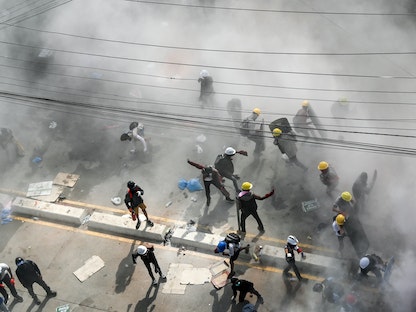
(75, 74)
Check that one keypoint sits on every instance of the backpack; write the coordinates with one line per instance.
(244, 129)
(232, 238)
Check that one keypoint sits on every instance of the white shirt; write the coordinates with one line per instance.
(336, 228)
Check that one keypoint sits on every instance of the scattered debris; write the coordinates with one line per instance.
(310, 205)
(193, 199)
(52, 125)
(5, 213)
(116, 200)
(168, 204)
(167, 237)
(86, 219)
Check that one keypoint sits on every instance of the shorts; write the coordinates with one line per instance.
(142, 206)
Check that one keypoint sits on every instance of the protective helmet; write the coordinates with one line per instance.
(318, 287)
(221, 246)
(277, 132)
(133, 125)
(18, 260)
(230, 151)
(364, 262)
(346, 196)
(323, 165)
(246, 186)
(130, 184)
(257, 111)
(141, 250)
(305, 103)
(204, 73)
(291, 239)
(340, 219)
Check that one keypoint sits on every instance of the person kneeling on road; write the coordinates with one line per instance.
(244, 287)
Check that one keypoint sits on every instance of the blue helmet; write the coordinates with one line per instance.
(222, 245)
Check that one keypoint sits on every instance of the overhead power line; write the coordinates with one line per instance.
(210, 66)
(217, 82)
(276, 11)
(215, 50)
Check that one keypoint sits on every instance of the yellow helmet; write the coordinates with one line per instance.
(246, 186)
(257, 111)
(346, 196)
(305, 103)
(323, 165)
(340, 219)
(277, 132)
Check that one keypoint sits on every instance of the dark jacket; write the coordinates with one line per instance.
(329, 177)
(224, 165)
(286, 143)
(208, 172)
(149, 257)
(133, 197)
(28, 272)
(247, 200)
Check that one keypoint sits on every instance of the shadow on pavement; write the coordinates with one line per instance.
(125, 271)
(146, 303)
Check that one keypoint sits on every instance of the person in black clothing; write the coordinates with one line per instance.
(248, 205)
(134, 201)
(210, 175)
(28, 273)
(6, 277)
(207, 90)
(290, 248)
(360, 189)
(224, 165)
(372, 263)
(146, 253)
(243, 287)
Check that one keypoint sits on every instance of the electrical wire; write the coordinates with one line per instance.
(213, 50)
(210, 66)
(220, 93)
(217, 82)
(273, 10)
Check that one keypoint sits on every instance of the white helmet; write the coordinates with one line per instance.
(141, 250)
(291, 239)
(204, 73)
(230, 151)
(364, 262)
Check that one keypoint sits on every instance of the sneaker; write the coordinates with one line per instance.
(229, 199)
(261, 229)
(17, 298)
(154, 282)
(37, 301)
(163, 276)
(51, 294)
(150, 223)
(137, 225)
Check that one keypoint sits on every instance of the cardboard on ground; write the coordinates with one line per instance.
(91, 266)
